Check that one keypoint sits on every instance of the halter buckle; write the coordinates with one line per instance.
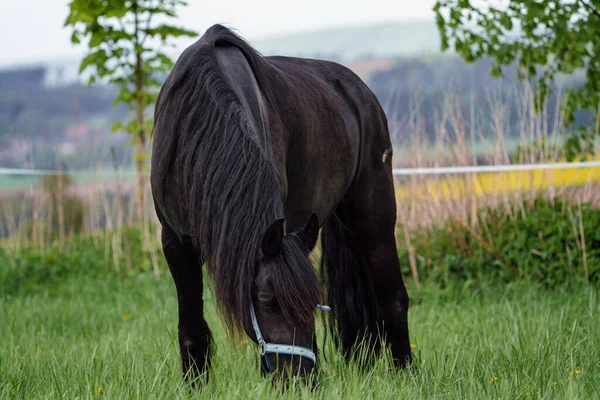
(261, 347)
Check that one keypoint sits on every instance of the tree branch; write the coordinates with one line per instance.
(147, 26)
(590, 8)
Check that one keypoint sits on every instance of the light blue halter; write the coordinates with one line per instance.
(265, 348)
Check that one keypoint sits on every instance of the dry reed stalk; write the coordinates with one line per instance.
(115, 244)
(106, 207)
(155, 267)
(583, 249)
(574, 223)
(9, 216)
(60, 210)
(34, 217)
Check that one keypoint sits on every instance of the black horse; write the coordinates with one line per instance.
(251, 156)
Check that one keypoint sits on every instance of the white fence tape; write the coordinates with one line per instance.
(397, 171)
(20, 171)
(492, 168)
(41, 172)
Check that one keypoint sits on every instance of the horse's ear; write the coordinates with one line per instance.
(272, 238)
(310, 233)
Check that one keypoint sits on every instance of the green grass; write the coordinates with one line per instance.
(71, 337)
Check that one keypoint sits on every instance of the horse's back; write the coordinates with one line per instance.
(345, 98)
(336, 131)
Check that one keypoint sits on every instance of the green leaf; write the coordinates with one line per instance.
(75, 38)
(86, 62)
(97, 38)
(116, 11)
(117, 126)
(506, 22)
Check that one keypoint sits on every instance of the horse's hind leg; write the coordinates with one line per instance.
(349, 292)
(194, 335)
(364, 281)
(371, 211)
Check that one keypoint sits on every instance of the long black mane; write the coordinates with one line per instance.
(227, 181)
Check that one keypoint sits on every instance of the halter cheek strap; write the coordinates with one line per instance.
(265, 348)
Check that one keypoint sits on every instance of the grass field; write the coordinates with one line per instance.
(116, 338)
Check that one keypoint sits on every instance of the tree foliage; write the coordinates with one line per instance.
(119, 34)
(126, 41)
(546, 38)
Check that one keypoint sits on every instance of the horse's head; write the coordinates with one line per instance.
(286, 292)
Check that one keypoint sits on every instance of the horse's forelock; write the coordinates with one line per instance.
(296, 284)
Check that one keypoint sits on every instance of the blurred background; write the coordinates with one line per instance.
(74, 150)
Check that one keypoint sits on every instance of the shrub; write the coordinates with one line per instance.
(540, 242)
(33, 268)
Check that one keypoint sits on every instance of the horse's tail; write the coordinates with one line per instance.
(349, 290)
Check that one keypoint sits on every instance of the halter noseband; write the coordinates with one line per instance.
(265, 348)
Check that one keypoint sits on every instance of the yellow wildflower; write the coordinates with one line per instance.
(576, 372)
(493, 380)
(413, 346)
(100, 390)
(244, 342)
(126, 317)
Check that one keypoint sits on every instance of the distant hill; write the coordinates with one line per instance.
(350, 43)
(375, 43)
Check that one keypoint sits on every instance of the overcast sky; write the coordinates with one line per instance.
(32, 30)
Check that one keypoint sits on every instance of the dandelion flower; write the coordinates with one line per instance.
(413, 346)
(244, 342)
(100, 390)
(126, 317)
(493, 380)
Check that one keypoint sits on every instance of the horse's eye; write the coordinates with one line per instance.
(266, 297)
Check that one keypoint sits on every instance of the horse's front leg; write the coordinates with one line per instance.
(194, 335)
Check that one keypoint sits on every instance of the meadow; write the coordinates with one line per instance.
(101, 334)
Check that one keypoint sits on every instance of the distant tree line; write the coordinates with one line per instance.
(422, 86)
(30, 110)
